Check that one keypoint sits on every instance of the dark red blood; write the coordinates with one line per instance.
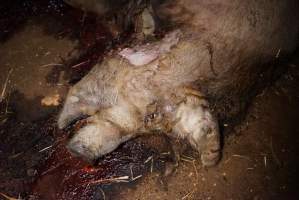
(67, 177)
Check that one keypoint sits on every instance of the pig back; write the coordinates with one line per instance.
(238, 38)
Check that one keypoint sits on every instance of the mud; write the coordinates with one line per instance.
(260, 159)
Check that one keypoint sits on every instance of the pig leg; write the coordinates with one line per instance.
(196, 123)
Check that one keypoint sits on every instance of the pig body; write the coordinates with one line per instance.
(242, 40)
(160, 86)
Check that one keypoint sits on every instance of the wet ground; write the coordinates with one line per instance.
(42, 53)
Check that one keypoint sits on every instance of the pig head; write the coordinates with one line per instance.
(125, 98)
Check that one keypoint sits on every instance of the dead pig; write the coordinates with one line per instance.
(156, 86)
(126, 100)
(241, 38)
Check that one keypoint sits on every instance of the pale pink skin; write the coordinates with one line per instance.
(142, 55)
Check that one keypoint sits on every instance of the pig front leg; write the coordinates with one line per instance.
(195, 122)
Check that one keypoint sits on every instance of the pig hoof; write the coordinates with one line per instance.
(210, 158)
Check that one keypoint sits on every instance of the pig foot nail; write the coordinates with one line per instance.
(211, 155)
(210, 158)
(79, 150)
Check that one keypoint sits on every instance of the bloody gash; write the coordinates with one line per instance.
(155, 86)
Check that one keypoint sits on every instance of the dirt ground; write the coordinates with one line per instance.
(260, 155)
(260, 159)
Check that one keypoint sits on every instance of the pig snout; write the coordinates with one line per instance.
(105, 131)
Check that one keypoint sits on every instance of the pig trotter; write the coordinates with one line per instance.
(196, 123)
